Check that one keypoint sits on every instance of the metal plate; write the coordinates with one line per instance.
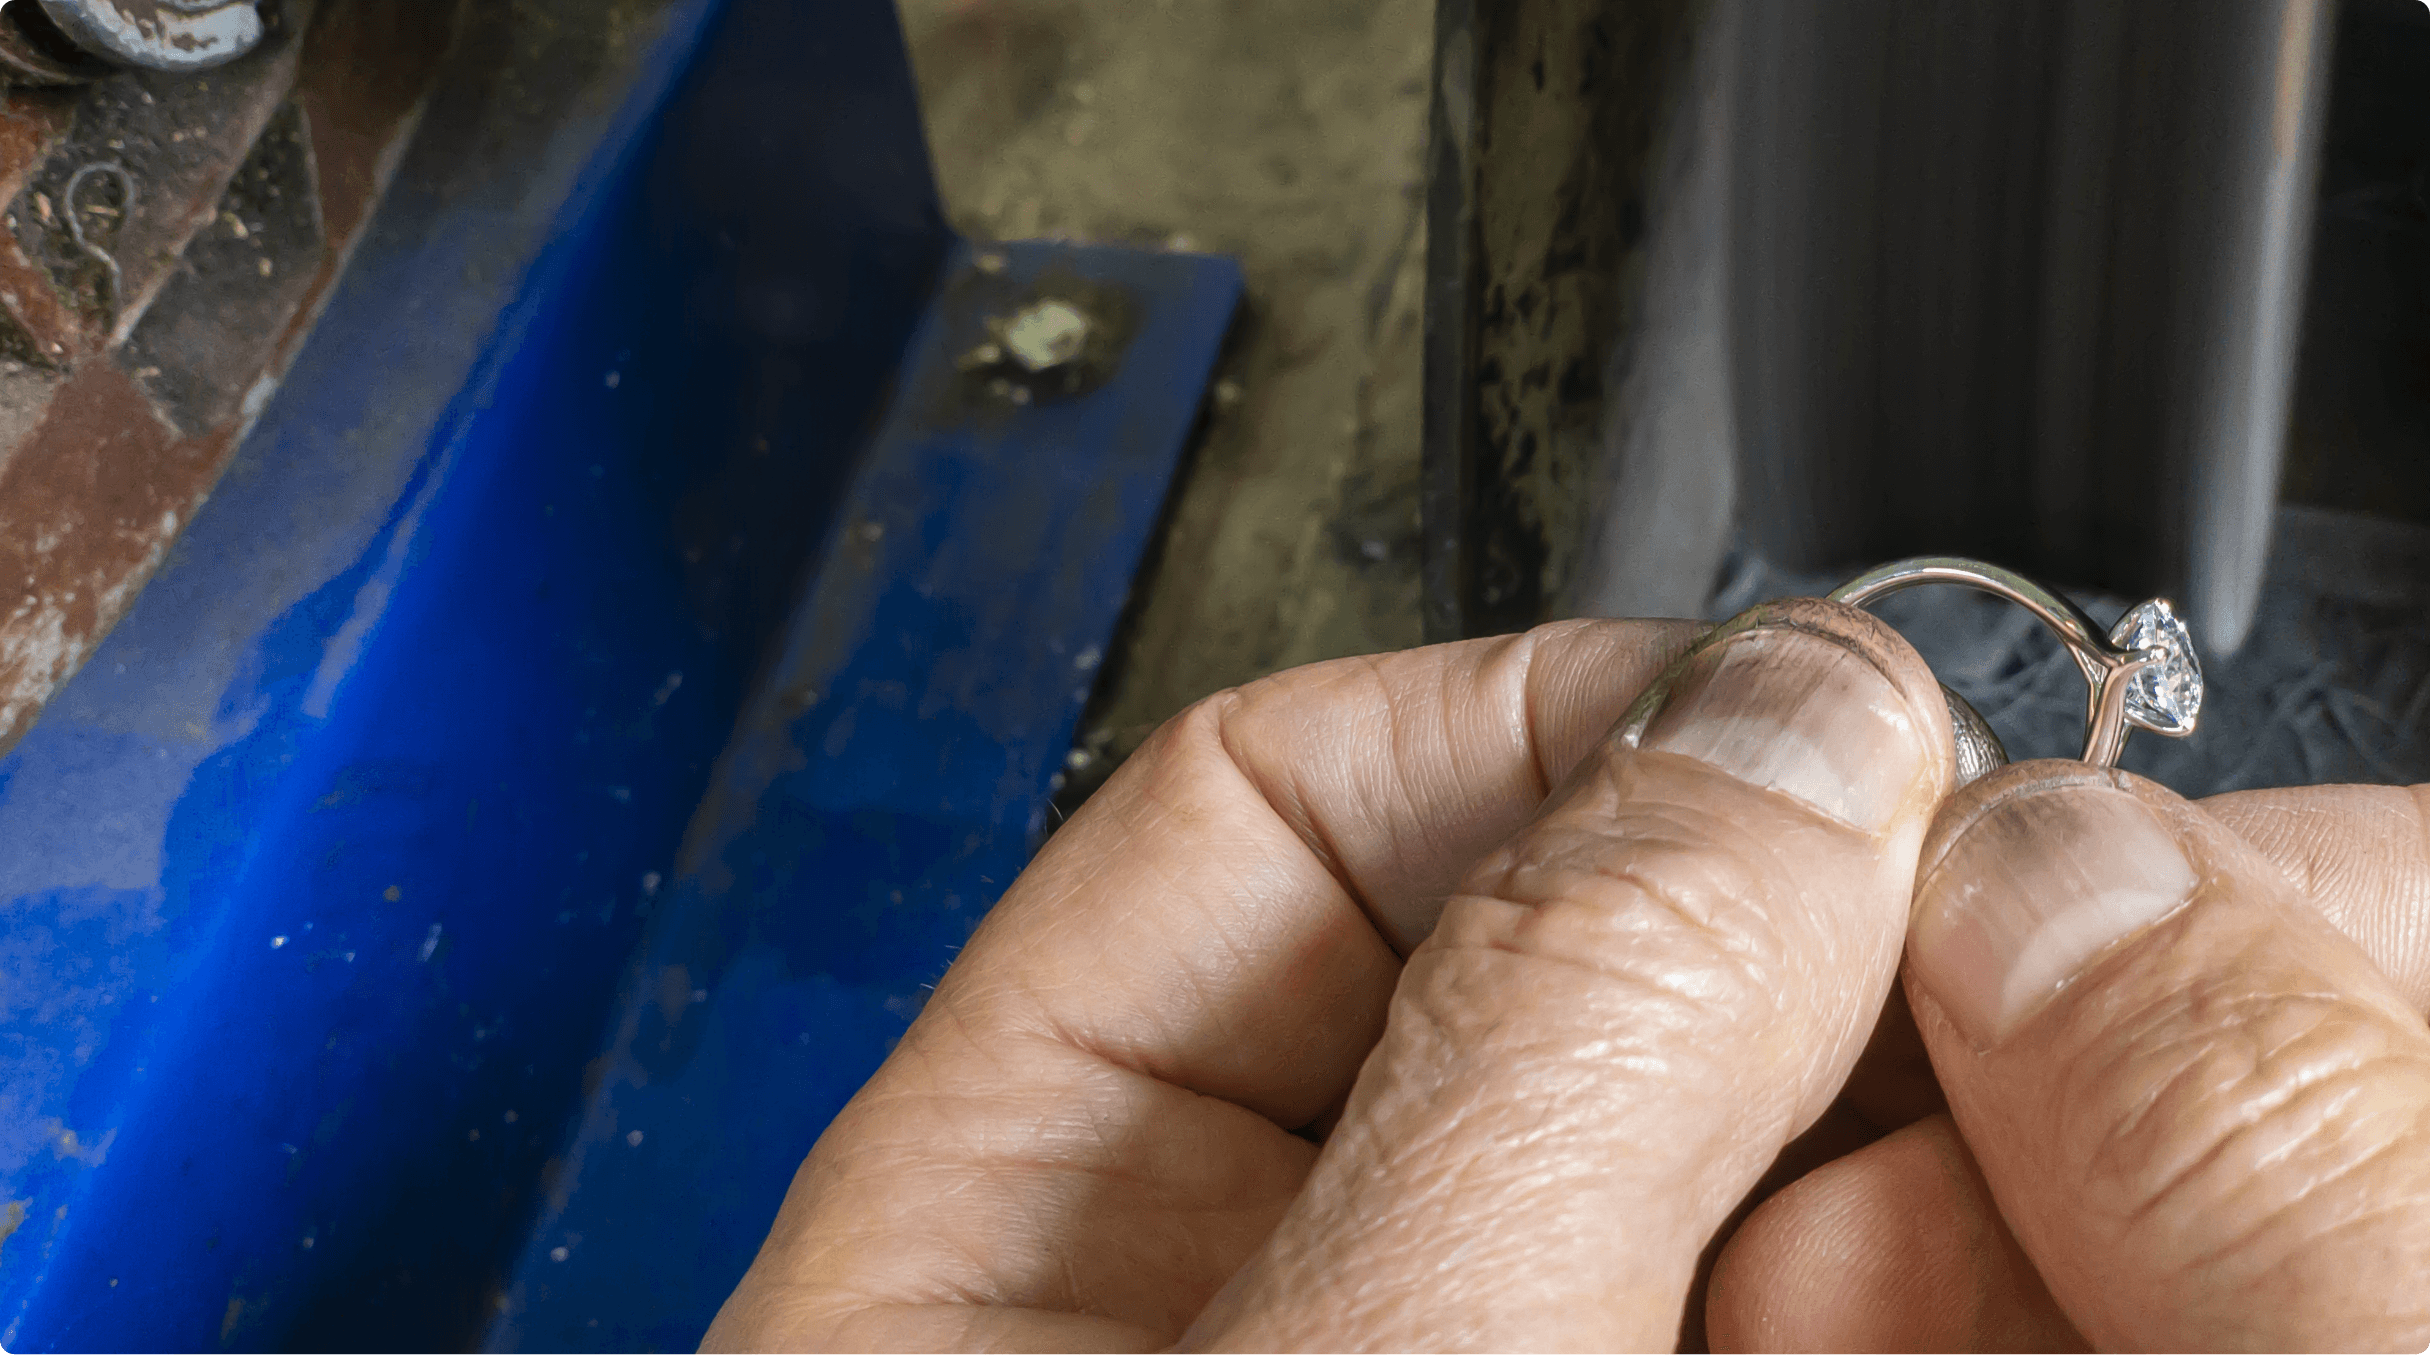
(888, 779)
(322, 876)
(332, 856)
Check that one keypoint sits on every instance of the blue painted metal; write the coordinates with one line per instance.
(316, 885)
(885, 783)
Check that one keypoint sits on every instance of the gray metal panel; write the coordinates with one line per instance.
(2025, 282)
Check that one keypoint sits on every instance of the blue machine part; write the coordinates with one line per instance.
(322, 879)
(887, 780)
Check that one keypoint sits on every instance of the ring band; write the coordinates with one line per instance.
(2142, 675)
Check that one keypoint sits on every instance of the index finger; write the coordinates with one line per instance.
(1228, 913)
(1087, 1130)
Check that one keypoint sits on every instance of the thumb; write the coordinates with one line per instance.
(1625, 1014)
(2203, 1110)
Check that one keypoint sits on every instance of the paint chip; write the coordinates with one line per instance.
(633, 1140)
(393, 893)
(277, 941)
(557, 1253)
(257, 396)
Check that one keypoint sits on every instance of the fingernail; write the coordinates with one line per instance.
(1795, 712)
(2031, 891)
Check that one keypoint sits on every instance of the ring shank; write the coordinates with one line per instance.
(2104, 665)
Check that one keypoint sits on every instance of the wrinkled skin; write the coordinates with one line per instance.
(1441, 1000)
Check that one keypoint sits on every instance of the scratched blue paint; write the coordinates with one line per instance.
(885, 783)
(318, 882)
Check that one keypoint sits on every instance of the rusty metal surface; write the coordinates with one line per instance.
(146, 315)
(34, 52)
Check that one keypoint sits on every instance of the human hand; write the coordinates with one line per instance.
(2184, 1051)
(1659, 975)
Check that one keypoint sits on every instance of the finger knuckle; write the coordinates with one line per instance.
(1654, 916)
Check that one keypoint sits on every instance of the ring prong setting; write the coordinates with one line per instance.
(2164, 693)
(2142, 675)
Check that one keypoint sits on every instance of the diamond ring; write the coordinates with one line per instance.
(2143, 675)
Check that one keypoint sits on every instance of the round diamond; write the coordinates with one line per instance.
(2163, 697)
